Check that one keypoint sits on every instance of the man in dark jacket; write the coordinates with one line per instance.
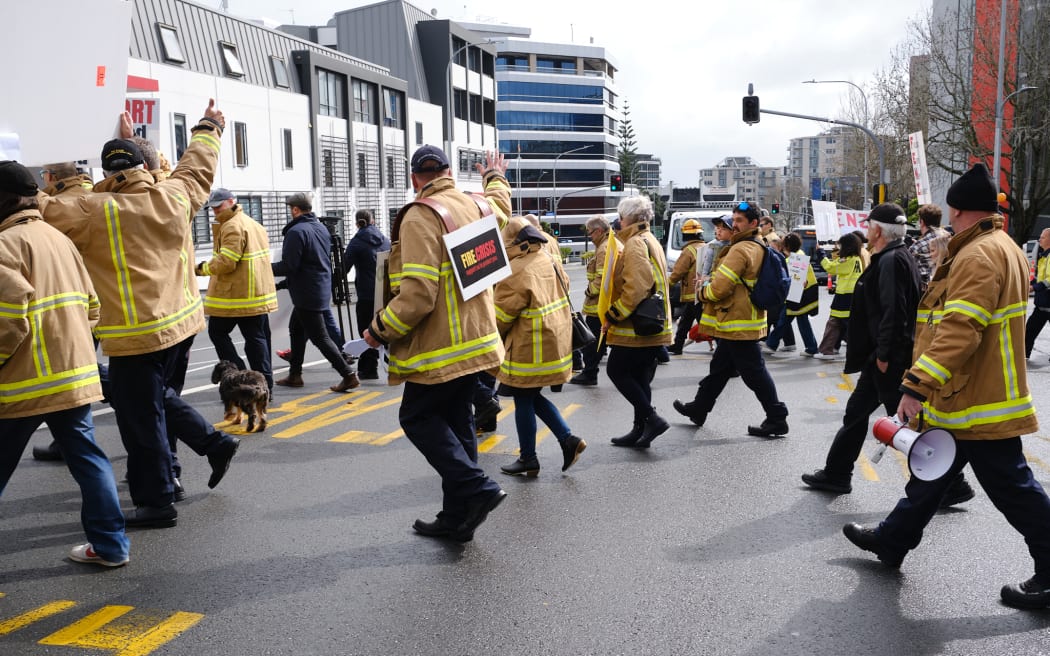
(361, 254)
(881, 333)
(306, 263)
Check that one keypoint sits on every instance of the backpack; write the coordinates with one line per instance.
(771, 287)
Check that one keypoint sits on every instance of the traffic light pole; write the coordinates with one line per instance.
(878, 144)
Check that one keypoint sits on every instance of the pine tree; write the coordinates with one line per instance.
(627, 155)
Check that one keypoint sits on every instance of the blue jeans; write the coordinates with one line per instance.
(527, 406)
(784, 325)
(74, 431)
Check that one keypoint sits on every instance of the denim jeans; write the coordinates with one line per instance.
(74, 431)
(783, 327)
(528, 405)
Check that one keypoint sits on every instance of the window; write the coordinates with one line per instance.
(550, 92)
(364, 101)
(475, 108)
(512, 63)
(419, 133)
(233, 63)
(549, 121)
(330, 92)
(362, 174)
(467, 159)
(280, 72)
(286, 148)
(169, 41)
(240, 144)
(474, 59)
(179, 121)
(392, 109)
(459, 97)
(327, 168)
(459, 47)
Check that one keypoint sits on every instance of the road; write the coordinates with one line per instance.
(707, 543)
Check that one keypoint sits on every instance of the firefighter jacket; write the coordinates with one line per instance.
(533, 316)
(47, 309)
(74, 186)
(847, 271)
(595, 269)
(136, 238)
(810, 301)
(728, 312)
(769, 238)
(685, 269)
(640, 270)
(969, 355)
(434, 335)
(241, 282)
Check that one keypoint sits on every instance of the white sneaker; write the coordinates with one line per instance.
(85, 553)
(827, 356)
(788, 348)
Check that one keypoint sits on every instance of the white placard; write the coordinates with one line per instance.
(919, 169)
(479, 259)
(798, 267)
(825, 220)
(145, 116)
(65, 77)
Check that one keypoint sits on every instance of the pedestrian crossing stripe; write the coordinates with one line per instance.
(120, 630)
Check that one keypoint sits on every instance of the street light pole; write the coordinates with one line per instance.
(997, 156)
(554, 181)
(866, 120)
(450, 100)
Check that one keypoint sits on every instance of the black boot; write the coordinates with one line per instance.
(485, 416)
(571, 449)
(523, 467)
(771, 427)
(654, 427)
(630, 438)
(689, 410)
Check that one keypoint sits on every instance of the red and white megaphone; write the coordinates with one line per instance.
(930, 453)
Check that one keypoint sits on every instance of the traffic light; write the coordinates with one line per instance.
(556, 229)
(878, 193)
(751, 112)
(616, 182)
(775, 209)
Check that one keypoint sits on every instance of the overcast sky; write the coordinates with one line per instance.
(684, 66)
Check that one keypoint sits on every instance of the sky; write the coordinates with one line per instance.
(684, 66)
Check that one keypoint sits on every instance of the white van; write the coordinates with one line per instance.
(675, 243)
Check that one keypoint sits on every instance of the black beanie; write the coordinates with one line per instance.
(975, 190)
(16, 179)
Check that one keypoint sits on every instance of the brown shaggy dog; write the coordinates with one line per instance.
(242, 392)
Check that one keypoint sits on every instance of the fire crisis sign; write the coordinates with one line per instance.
(478, 257)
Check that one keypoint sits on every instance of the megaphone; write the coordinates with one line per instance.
(930, 454)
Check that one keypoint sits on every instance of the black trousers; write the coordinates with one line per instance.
(149, 412)
(745, 357)
(1033, 327)
(256, 332)
(631, 370)
(310, 324)
(439, 422)
(873, 389)
(685, 322)
(369, 360)
(1001, 469)
(592, 355)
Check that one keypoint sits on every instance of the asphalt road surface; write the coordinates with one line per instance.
(707, 543)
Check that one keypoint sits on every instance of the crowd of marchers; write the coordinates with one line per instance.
(936, 331)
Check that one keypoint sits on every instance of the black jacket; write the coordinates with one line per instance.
(361, 253)
(882, 318)
(306, 262)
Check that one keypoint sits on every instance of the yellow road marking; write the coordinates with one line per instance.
(343, 411)
(866, 468)
(355, 436)
(902, 460)
(388, 438)
(47, 610)
(1037, 461)
(822, 374)
(832, 399)
(491, 442)
(135, 635)
(847, 383)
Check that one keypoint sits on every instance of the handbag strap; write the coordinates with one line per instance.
(564, 286)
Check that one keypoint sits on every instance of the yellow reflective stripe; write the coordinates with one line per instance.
(591, 308)
(591, 275)
(185, 202)
(549, 308)
(923, 315)
(977, 415)
(51, 384)
(120, 264)
(455, 330)
(189, 291)
(621, 309)
(806, 309)
(231, 254)
(148, 327)
(739, 325)
(40, 359)
(840, 314)
(4, 357)
(976, 312)
(390, 319)
(436, 359)
(729, 273)
(419, 271)
(1009, 312)
(12, 311)
(537, 368)
(502, 316)
(537, 339)
(933, 368)
(205, 269)
(206, 139)
(216, 302)
(1006, 349)
(627, 330)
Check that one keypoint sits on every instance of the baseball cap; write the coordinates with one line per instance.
(722, 220)
(219, 196)
(429, 158)
(120, 154)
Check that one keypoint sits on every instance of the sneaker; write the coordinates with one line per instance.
(808, 354)
(85, 553)
(789, 348)
(828, 356)
(284, 354)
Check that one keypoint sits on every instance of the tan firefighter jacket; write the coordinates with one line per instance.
(241, 282)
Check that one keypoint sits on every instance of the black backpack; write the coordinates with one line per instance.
(771, 287)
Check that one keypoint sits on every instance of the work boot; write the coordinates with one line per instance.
(630, 438)
(485, 416)
(583, 379)
(523, 467)
(868, 540)
(292, 380)
(770, 428)
(959, 492)
(675, 349)
(349, 382)
(49, 453)
(1033, 593)
(689, 410)
(571, 449)
(654, 427)
(821, 480)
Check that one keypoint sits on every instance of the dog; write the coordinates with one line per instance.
(242, 392)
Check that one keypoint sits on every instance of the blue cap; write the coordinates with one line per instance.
(428, 159)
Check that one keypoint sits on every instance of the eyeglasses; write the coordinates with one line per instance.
(43, 171)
